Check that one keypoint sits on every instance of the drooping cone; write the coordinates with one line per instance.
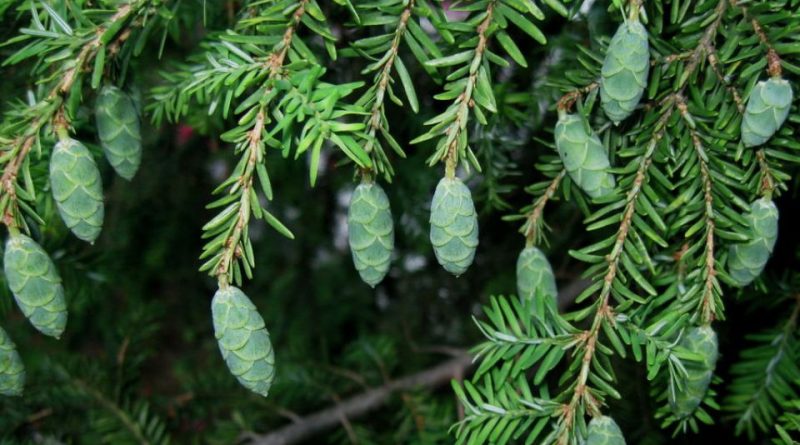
(604, 431)
(370, 232)
(702, 341)
(118, 127)
(746, 261)
(77, 189)
(535, 277)
(454, 226)
(583, 156)
(12, 372)
(36, 285)
(767, 109)
(625, 70)
(243, 340)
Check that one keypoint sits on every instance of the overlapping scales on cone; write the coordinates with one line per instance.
(535, 277)
(583, 156)
(767, 109)
(118, 128)
(625, 70)
(454, 225)
(604, 430)
(77, 189)
(370, 232)
(243, 340)
(746, 261)
(12, 372)
(36, 285)
(703, 342)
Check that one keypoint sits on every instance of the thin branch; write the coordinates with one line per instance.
(534, 217)
(465, 99)
(707, 305)
(361, 404)
(253, 152)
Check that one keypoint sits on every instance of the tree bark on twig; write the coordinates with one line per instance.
(361, 403)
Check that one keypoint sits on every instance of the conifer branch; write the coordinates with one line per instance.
(51, 109)
(533, 219)
(604, 312)
(254, 153)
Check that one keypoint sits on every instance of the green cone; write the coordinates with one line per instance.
(77, 189)
(746, 261)
(767, 109)
(454, 226)
(624, 73)
(535, 277)
(118, 128)
(604, 431)
(243, 340)
(702, 341)
(36, 285)
(584, 156)
(12, 372)
(370, 232)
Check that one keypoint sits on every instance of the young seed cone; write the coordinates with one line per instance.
(767, 109)
(243, 340)
(604, 430)
(625, 69)
(36, 285)
(370, 232)
(77, 189)
(118, 128)
(747, 260)
(702, 341)
(584, 156)
(454, 226)
(12, 371)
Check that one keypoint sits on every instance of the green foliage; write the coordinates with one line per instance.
(454, 226)
(118, 128)
(767, 109)
(243, 340)
(747, 260)
(36, 285)
(12, 371)
(625, 70)
(370, 232)
(77, 189)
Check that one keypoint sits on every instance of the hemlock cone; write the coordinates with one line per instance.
(584, 156)
(118, 128)
(454, 225)
(370, 232)
(243, 340)
(12, 372)
(767, 109)
(604, 430)
(535, 277)
(77, 189)
(625, 70)
(746, 261)
(36, 285)
(702, 341)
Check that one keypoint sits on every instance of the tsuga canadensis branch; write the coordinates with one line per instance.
(255, 154)
(465, 99)
(707, 305)
(54, 113)
(534, 218)
(374, 121)
(604, 312)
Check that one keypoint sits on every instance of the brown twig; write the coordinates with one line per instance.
(707, 305)
(773, 60)
(361, 404)
(533, 220)
(566, 101)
